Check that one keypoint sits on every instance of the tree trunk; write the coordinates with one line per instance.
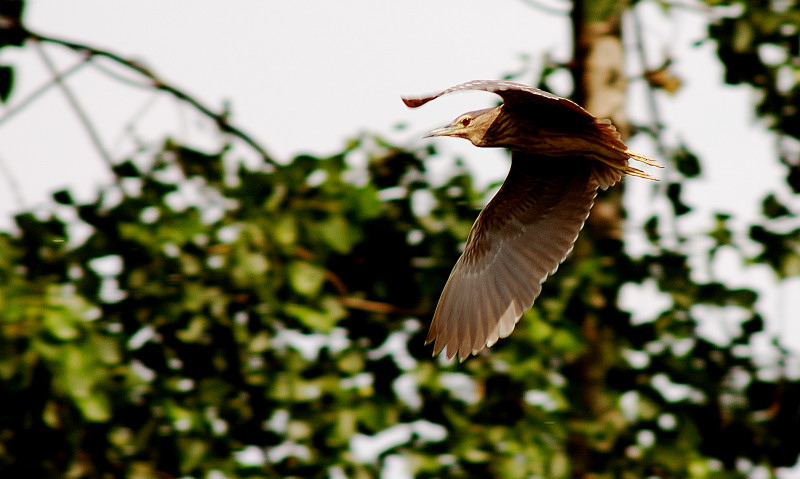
(600, 87)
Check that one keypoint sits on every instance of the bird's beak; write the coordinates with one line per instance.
(446, 130)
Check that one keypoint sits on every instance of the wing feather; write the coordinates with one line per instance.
(517, 96)
(518, 240)
(531, 225)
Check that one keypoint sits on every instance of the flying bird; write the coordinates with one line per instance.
(560, 155)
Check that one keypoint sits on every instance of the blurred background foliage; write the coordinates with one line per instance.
(223, 321)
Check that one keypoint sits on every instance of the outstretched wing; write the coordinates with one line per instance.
(518, 240)
(522, 99)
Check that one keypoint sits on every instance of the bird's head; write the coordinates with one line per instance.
(472, 126)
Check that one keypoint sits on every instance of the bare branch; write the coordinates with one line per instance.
(657, 126)
(376, 307)
(22, 104)
(76, 106)
(657, 123)
(220, 119)
(129, 128)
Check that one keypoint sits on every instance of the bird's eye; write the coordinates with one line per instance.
(465, 121)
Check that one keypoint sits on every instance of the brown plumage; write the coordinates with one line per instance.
(560, 155)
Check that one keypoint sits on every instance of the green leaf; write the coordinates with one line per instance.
(249, 267)
(197, 163)
(647, 409)
(313, 319)
(61, 324)
(651, 229)
(306, 278)
(63, 197)
(338, 234)
(126, 169)
(317, 320)
(259, 343)
(674, 195)
(195, 331)
(65, 313)
(539, 329)
(6, 82)
(107, 349)
(686, 162)
(365, 202)
(192, 453)
(790, 266)
(772, 208)
(565, 341)
(743, 35)
(285, 230)
(80, 371)
(95, 407)
(721, 234)
(351, 362)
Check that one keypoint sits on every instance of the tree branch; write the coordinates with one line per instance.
(76, 106)
(657, 123)
(220, 119)
(376, 306)
(35, 94)
(655, 111)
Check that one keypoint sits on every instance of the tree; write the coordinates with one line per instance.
(273, 326)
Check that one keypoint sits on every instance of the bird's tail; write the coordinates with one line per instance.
(644, 159)
(609, 136)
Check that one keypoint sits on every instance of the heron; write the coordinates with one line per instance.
(560, 156)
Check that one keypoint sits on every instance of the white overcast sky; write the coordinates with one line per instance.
(305, 75)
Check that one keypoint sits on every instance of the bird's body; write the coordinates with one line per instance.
(561, 155)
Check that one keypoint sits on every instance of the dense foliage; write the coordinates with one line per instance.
(225, 321)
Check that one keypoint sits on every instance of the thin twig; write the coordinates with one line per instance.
(221, 120)
(657, 124)
(655, 111)
(19, 106)
(120, 78)
(376, 307)
(76, 106)
(130, 126)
